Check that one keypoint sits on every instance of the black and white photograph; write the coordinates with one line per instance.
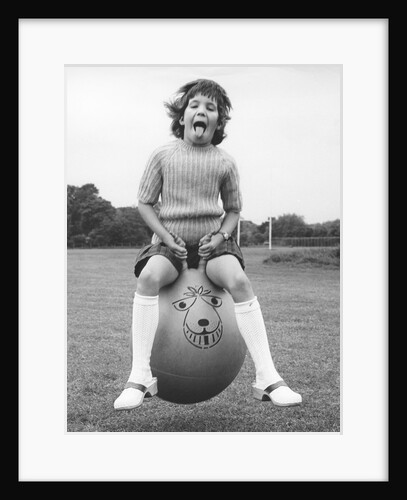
(203, 240)
(205, 296)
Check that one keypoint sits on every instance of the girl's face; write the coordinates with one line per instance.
(200, 120)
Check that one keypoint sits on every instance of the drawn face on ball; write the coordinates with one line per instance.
(202, 324)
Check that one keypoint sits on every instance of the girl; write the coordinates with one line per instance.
(189, 174)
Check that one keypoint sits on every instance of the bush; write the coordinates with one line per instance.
(306, 256)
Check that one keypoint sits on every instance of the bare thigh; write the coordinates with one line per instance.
(158, 272)
(226, 272)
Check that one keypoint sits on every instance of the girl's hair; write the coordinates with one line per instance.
(208, 88)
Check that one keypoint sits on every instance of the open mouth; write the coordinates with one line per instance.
(199, 128)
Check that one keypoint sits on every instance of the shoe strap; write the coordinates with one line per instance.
(273, 387)
(133, 385)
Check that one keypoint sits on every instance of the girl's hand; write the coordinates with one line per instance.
(205, 239)
(208, 243)
(176, 245)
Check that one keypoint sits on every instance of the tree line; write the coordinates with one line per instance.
(93, 222)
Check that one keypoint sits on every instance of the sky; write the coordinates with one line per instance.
(284, 132)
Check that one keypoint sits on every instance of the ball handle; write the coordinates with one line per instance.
(201, 265)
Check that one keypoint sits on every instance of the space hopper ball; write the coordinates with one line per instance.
(198, 349)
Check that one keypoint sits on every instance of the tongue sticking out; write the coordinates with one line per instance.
(199, 131)
(199, 128)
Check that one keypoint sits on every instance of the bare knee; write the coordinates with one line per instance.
(157, 273)
(240, 288)
(149, 282)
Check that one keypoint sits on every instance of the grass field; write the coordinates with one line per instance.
(301, 308)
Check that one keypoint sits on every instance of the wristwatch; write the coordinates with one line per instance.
(226, 236)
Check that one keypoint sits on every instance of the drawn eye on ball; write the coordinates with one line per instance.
(191, 296)
(184, 304)
(212, 300)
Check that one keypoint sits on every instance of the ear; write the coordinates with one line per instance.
(181, 121)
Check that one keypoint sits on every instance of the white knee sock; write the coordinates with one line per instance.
(253, 330)
(144, 326)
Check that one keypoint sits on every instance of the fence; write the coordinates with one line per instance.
(72, 245)
(310, 241)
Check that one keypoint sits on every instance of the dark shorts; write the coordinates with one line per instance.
(229, 247)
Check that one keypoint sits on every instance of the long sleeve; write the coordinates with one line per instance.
(230, 189)
(151, 180)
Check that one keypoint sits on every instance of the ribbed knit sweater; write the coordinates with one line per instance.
(191, 181)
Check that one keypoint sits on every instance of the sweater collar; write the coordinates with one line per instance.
(188, 147)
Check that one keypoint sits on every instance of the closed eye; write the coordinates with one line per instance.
(209, 106)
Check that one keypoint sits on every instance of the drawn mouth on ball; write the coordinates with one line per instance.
(203, 339)
(203, 331)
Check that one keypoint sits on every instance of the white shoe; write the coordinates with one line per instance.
(133, 395)
(279, 394)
